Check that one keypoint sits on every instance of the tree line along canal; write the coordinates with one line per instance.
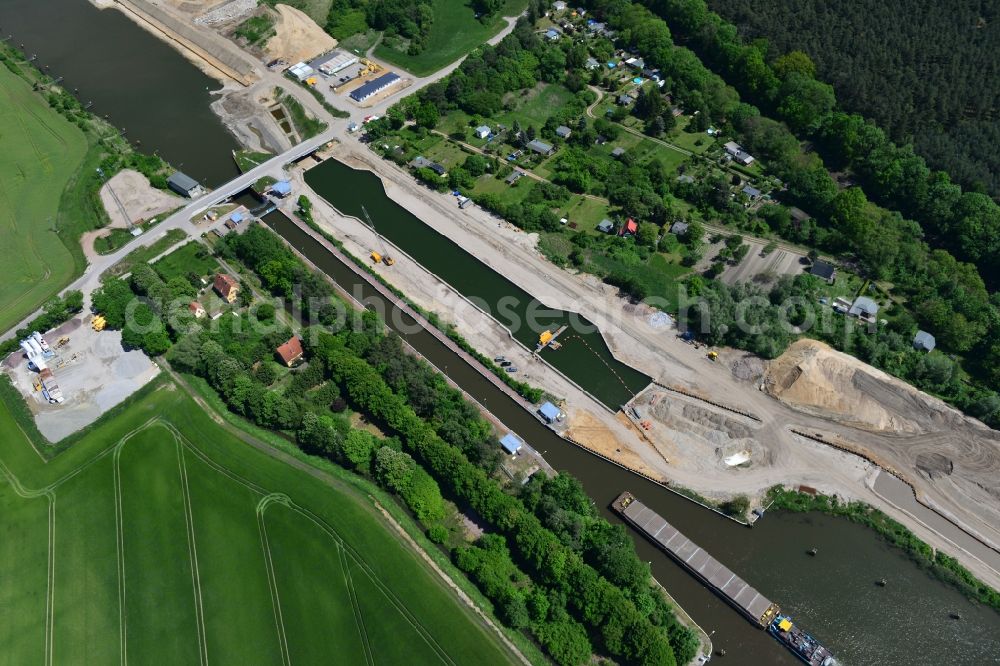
(162, 100)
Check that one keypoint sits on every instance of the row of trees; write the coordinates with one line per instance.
(54, 312)
(967, 224)
(610, 616)
(942, 85)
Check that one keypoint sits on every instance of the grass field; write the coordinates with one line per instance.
(40, 152)
(189, 258)
(454, 33)
(161, 537)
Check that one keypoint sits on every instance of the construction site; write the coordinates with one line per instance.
(75, 373)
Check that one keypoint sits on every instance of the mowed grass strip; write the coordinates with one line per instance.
(231, 564)
(39, 152)
(87, 621)
(454, 33)
(160, 618)
(306, 559)
(24, 586)
(189, 258)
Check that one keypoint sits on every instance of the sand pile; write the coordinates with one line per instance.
(819, 380)
(297, 37)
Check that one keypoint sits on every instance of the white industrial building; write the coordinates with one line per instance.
(335, 62)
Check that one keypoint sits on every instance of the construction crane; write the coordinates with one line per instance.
(376, 257)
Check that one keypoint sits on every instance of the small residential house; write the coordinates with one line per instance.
(550, 413)
(237, 217)
(183, 184)
(864, 308)
(736, 151)
(559, 6)
(514, 176)
(636, 63)
(226, 287)
(751, 192)
(540, 147)
(291, 351)
(552, 35)
(679, 228)
(625, 99)
(592, 63)
(606, 225)
(824, 271)
(924, 341)
(197, 309)
(483, 132)
(438, 169)
(420, 162)
(630, 228)
(563, 132)
(798, 216)
(684, 178)
(511, 443)
(618, 152)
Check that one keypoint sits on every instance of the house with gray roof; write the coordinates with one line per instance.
(563, 132)
(864, 308)
(606, 225)
(924, 341)
(540, 147)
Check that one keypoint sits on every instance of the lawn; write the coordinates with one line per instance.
(534, 106)
(161, 533)
(454, 33)
(189, 258)
(40, 153)
(143, 254)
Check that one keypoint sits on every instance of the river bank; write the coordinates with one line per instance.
(681, 457)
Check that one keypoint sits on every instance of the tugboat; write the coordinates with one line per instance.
(801, 644)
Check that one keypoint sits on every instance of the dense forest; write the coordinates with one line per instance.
(925, 71)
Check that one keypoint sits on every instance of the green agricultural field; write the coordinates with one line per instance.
(159, 536)
(40, 152)
(454, 33)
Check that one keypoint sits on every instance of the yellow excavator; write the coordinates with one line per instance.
(376, 256)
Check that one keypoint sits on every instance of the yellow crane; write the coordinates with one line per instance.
(376, 256)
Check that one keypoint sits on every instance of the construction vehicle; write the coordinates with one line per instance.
(37, 385)
(62, 341)
(713, 356)
(384, 256)
(98, 323)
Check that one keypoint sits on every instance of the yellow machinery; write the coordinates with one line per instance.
(38, 385)
(389, 261)
(98, 323)
(311, 81)
(545, 338)
(62, 341)
(376, 257)
(713, 356)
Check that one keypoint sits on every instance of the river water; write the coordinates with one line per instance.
(162, 100)
(143, 85)
(833, 595)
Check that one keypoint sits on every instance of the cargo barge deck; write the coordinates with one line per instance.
(741, 595)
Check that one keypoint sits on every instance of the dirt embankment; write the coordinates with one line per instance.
(819, 380)
(297, 37)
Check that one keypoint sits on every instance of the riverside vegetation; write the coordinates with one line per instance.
(554, 570)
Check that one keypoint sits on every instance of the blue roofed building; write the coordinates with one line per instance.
(282, 188)
(511, 443)
(550, 412)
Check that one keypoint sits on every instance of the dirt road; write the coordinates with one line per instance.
(784, 457)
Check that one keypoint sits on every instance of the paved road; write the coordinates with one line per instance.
(91, 278)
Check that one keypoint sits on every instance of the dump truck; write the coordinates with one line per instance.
(98, 323)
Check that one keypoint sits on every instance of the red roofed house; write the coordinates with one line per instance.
(291, 351)
(226, 287)
(630, 227)
(197, 309)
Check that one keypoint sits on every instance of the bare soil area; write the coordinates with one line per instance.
(139, 200)
(297, 37)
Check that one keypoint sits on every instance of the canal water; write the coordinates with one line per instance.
(832, 595)
(145, 87)
(583, 356)
(162, 100)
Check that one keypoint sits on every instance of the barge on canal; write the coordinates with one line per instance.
(741, 595)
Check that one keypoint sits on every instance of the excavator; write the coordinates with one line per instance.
(376, 256)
